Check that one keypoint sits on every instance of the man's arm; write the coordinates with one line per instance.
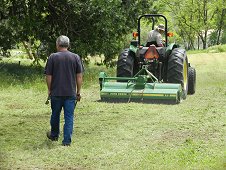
(48, 82)
(159, 40)
(78, 84)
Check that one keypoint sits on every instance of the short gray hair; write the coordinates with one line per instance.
(63, 41)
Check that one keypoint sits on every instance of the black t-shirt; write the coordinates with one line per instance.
(63, 66)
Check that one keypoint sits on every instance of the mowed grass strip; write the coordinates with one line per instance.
(190, 135)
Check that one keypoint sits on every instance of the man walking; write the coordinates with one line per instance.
(64, 80)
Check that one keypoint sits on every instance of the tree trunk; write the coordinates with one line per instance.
(205, 18)
(28, 50)
(198, 42)
(220, 26)
(205, 40)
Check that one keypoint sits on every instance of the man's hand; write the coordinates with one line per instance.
(49, 92)
(47, 100)
(48, 82)
(79, 85)
(78, 97)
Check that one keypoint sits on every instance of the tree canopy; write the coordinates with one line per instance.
(94, 27)
(97, 27)
(196, 19)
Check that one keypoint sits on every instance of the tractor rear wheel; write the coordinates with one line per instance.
(191, 80)
(177, 71)
(125, 64)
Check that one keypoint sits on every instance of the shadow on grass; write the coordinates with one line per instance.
(46, 144)
(164, 102)
(15, 74)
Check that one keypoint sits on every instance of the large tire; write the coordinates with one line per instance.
(125, 64)
(191, 80)
(177, 70)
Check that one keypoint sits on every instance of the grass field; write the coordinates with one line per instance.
(190, 135)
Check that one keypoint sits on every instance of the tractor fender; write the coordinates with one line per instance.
(170, 48)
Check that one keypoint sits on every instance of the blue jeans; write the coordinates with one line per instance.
(68, 104)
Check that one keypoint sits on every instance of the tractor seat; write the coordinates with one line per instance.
(152, 43)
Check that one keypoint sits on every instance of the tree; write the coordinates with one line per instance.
(193, 18)
(220, 21)
(95, 27)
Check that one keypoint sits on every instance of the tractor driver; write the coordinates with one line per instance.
(155, 36)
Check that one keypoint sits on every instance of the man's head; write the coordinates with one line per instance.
(62, 42)
(161, 28)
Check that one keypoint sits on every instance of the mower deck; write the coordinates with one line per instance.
(137, 88)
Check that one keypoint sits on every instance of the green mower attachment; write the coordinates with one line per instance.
(144, 86)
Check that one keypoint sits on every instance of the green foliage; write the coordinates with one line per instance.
(98, 27)
(95, 27)
(212, 39)
(20, 76)
(212, 49)
(194, 18)
(223, 39)
(217, 49)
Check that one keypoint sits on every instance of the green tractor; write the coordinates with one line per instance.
(146, 72)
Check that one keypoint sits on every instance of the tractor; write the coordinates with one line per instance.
(148, 72)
